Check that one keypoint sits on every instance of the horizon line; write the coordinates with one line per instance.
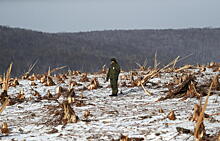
(125, 29)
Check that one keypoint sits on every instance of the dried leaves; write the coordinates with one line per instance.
(215, 83)
(69, 114)
(183, 86)
(86, 114)
(171, 115)
(126, 138)
(84, 78)
(4, 129)
(93, 85)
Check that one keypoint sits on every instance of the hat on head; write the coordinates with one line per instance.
(113, 59)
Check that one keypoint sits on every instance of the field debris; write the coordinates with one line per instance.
(159, 104)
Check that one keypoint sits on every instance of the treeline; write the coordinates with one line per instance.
(89, 51)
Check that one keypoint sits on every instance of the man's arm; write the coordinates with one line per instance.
(107, 78)
(118, 69)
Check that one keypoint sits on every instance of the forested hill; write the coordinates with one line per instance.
(89, 51)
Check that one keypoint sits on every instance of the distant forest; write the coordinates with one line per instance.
(89, 51)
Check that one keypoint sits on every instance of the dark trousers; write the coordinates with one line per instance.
(114, 86)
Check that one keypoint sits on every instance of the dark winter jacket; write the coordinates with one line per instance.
(113, 71)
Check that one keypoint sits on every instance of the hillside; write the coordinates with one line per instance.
(89, 51)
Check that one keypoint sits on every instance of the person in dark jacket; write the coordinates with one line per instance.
(113, 73)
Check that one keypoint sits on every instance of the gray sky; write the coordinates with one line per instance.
(89, 15)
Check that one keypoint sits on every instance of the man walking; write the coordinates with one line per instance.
(113, 73)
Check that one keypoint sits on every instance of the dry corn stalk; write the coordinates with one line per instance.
(86, 114)
(212, 64)
(6, 79)
(104, 69)
(76, 73)
(156, 64)
(71, 92)
(142, 67)
(70, 99)
(172, 115)
(150, 75)
(70, 95)
(84, 78)
(181, 88)
(37, 94)
(4, 128)
(15, 82)
(1, 79)
(49, 95)
(153, 73)
(196, 113)
(30, 69)
(126, 138)
(191, 91)
(146, 91)
(183, 68)
(199, 130)
(94, 84)
(175, 61)
(216, 84)
(33, 77)
(161, 110)
(69, 114)
(123, 84)
(48, 72)
(59, 89)
(21, 95)
(4, 104)
(63, 76)
(73, 83)
(33, 84)
(49, 81)
(56, 69)
(43, 79)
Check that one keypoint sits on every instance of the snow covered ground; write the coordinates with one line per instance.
(132, 113)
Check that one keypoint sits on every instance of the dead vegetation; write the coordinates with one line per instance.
(198, 117)
(69, 114)
(172, 115)
(184, 85)
(94, 84)
(199, 130)
(4, 129)
(126, 138)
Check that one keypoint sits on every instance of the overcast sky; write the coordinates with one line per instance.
(90, 15)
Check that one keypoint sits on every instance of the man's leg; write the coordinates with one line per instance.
(114, 85)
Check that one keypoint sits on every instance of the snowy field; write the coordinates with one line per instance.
(132, 113)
